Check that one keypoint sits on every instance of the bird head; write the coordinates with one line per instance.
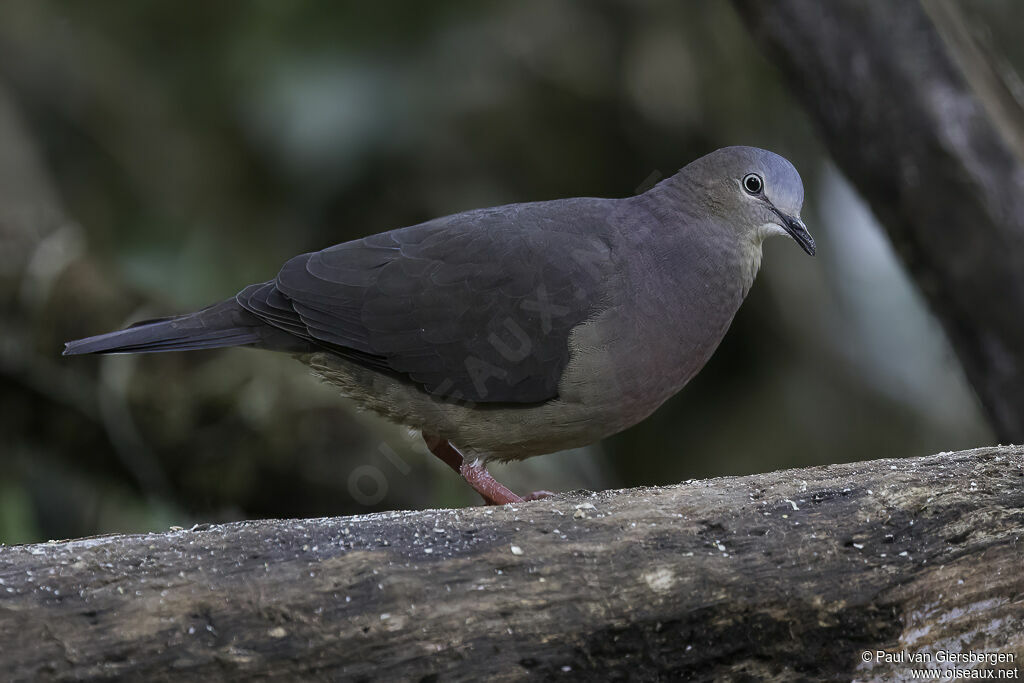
(758, 192)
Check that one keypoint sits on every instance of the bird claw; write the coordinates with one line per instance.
(489, 488)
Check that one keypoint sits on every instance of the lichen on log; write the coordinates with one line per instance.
(773, 576)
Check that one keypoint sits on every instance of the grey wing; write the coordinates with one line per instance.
(477, 306)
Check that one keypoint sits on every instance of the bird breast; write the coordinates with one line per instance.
(663, 326)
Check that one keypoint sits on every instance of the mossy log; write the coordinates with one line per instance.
(771, 576)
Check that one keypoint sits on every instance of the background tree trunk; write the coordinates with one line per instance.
(772, 576)
(927, 154)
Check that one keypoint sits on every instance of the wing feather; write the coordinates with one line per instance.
(478, 305)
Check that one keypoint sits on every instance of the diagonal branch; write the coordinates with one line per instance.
(904, 126)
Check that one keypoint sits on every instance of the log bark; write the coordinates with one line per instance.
(934, 160)
(774, 576)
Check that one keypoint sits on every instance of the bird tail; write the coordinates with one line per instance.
(223, 324)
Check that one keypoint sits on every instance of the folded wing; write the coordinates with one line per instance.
(477, 306)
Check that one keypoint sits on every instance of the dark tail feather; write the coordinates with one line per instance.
(223, 324)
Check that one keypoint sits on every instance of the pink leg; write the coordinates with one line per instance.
(445, 452)
(492, 491)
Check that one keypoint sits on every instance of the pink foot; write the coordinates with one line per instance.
(492, 490)
(489, 488)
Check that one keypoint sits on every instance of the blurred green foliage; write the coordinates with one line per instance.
(199, 146)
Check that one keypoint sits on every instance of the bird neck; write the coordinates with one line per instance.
(690, 215)
(749, 257)
(687, 274)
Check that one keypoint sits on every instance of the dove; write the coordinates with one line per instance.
(519, 330)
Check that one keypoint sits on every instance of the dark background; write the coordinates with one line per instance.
(155, 158)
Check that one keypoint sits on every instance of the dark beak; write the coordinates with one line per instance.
(796, 228)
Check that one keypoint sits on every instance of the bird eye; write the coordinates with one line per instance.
(752, 183)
